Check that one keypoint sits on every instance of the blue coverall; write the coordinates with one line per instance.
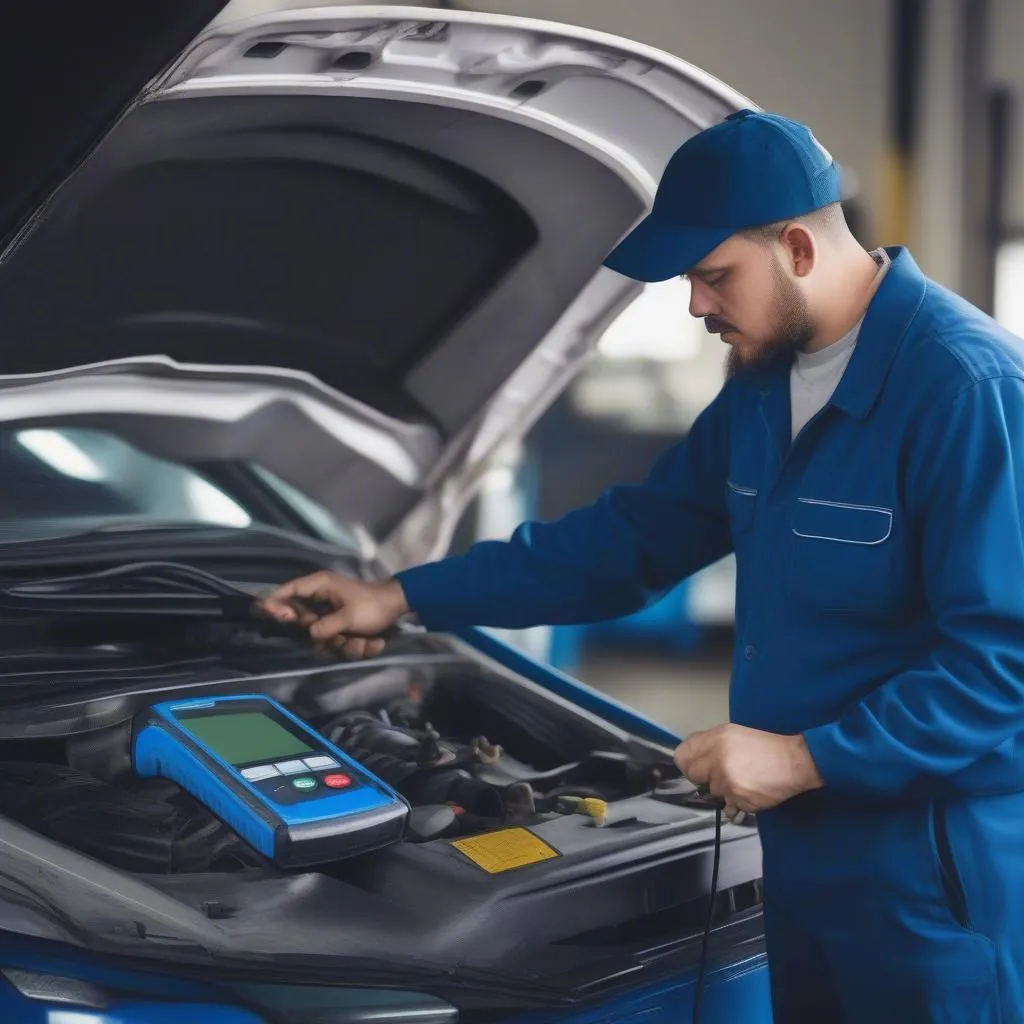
(880, 612)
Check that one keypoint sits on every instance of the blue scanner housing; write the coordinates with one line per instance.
(291, 794)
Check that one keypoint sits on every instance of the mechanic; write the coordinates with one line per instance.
(865, 461)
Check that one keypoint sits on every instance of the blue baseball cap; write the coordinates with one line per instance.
(749, 170)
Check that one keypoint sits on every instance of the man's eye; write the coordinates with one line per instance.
(714, 282)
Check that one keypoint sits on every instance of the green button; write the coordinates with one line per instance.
(304, 782)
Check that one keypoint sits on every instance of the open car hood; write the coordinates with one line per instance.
(361, 246)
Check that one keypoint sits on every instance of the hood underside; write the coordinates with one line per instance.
(378, 230)
(317, 233)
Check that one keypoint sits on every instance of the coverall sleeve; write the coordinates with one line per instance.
(965, 490)
(597, 562)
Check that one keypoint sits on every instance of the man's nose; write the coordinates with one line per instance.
(701, 304)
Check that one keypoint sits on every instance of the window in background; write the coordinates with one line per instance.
(656, 366)
(656, 326)
(1009, 297)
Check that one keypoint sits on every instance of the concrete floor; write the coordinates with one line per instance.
(684, 693)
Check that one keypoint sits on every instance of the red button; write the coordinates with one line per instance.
(337, 781)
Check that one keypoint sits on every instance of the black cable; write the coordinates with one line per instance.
(699, 992)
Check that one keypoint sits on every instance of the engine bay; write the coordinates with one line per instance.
(469, 754)
(546, 847)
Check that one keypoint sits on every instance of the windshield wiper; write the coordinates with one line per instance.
(111, 543)
(137, 588)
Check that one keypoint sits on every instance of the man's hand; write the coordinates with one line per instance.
(361, 611)
(750, 770)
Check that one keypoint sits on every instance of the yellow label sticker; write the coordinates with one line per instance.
(505, 850)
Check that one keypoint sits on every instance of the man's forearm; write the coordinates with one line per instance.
(599, 562)
(501, 584)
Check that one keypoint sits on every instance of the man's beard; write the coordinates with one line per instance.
(793, 332)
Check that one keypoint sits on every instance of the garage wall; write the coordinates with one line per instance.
(938, 214)
(1007, 70)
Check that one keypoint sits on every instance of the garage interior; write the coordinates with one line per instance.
(922, 101)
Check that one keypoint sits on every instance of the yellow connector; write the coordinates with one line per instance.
(597, 809)
(591, 806)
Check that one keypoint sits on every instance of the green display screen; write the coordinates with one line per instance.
(245, 736)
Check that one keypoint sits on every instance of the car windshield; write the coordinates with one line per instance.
(60, 480)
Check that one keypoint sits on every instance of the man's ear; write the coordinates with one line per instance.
(799, 248)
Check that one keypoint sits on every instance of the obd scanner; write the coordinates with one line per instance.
(287, 791)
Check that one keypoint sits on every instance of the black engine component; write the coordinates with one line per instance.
(153, 827)
(459, 788)
(425, 769)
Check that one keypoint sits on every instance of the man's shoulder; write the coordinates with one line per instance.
(952, 344)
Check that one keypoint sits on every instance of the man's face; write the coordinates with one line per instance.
(745, 294)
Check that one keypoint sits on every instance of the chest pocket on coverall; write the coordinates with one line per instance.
(842, 555)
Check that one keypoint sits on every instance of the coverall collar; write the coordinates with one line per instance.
(890, 313)
(892, 310)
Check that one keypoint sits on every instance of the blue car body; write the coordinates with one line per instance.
(738, 994)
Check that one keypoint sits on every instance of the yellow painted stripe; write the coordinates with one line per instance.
(895, 225)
